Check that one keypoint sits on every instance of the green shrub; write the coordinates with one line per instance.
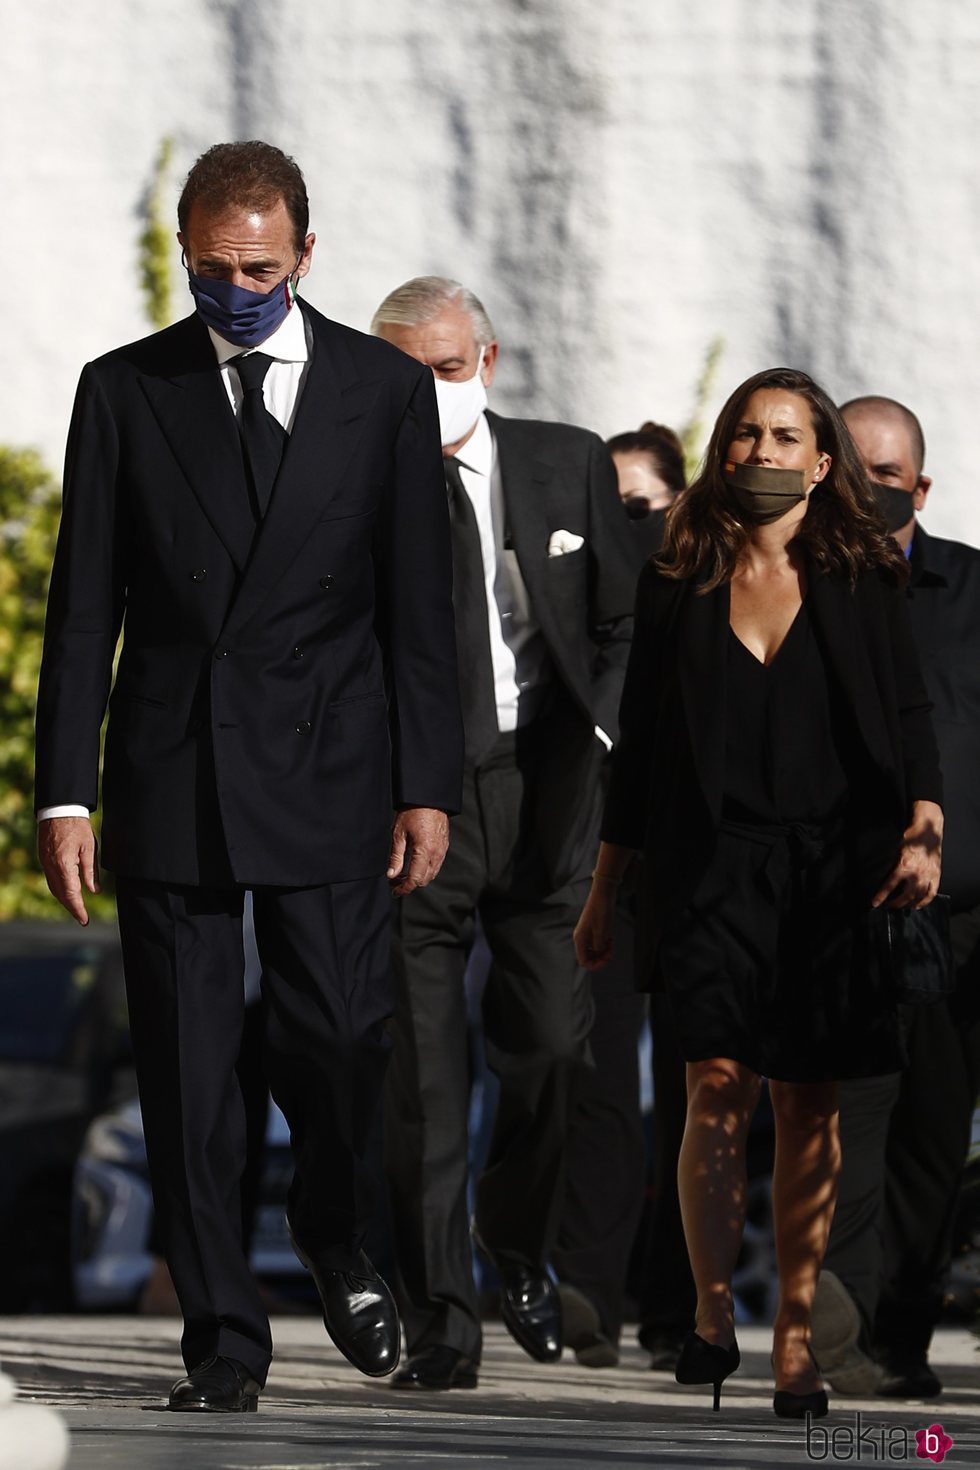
(30, 504)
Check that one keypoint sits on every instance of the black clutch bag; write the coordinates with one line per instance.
(913, 947)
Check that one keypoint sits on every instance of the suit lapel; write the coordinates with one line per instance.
(330, 418)
(701, 651)
(191, 406)
(844, 638)
(526, 517)
(524, 480)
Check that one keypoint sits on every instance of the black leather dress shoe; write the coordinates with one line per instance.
(583, 1330)
(908, 1378)
(359, 1313)
(437, 1368)
(529, 1305)
(216, 1386)
(531, 1310)
(664, 1349)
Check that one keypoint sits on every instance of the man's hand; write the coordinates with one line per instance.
(424, 831)
(914, 880)
(66, 847)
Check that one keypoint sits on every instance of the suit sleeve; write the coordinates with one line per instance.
(612, 587)
(626, 812)
(415, 614)
(85, 609)
(920, 753)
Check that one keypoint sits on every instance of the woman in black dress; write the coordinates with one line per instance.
(777, 772)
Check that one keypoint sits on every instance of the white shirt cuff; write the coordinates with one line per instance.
(44, 812)
(600, 734)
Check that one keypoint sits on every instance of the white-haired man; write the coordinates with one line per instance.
(543, 590)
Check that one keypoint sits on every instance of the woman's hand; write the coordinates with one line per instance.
(914, 880)
(594, 931)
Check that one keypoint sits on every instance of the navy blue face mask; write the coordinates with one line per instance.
(243, 317)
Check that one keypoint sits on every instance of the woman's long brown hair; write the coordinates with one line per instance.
(842, 529)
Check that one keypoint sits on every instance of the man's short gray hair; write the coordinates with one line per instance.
(423, 297)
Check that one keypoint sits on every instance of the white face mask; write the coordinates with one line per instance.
(460, 405)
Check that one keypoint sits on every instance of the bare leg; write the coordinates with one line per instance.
(804, 1192)
(711, 1179)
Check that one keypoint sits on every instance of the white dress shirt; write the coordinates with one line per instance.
(289, 348)
(521, 663)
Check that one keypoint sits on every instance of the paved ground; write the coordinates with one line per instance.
(109, 1375)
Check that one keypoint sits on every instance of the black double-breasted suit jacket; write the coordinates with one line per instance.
(280, 687)
(667, 783)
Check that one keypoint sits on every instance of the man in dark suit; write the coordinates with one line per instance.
(543, 589)
(904, 1136)
(272, 525)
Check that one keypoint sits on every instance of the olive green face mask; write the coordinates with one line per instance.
(763, 492)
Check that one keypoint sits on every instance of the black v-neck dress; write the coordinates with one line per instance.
(768, 964)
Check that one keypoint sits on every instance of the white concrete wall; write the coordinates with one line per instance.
(621, 181)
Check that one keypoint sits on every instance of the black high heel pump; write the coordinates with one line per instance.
(706, 1362)
(789, 1405)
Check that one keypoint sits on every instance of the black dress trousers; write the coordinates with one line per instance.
(606, 1150)
(327, 989)
(668, 1297)
(904, 1141)
(855, 1247)
(928, 1141)
(536, 1014)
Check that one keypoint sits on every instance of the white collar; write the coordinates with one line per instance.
(286, 344)
(477, 453)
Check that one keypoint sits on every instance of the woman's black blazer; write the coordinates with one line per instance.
(666, 787)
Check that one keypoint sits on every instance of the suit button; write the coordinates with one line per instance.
(326, 582)
(303, 727)
(199, 574)
(297, 652)
(221, 653)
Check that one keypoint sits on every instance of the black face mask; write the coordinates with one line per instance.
(896, 506)
(637, 508)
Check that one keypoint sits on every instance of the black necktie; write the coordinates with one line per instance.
(264, 436)
(476, 687)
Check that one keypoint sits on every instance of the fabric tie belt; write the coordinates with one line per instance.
(795, 848)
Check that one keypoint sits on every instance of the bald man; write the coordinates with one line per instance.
(889, 440)
(905, 1137)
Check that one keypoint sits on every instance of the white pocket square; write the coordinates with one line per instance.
(561, 542)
